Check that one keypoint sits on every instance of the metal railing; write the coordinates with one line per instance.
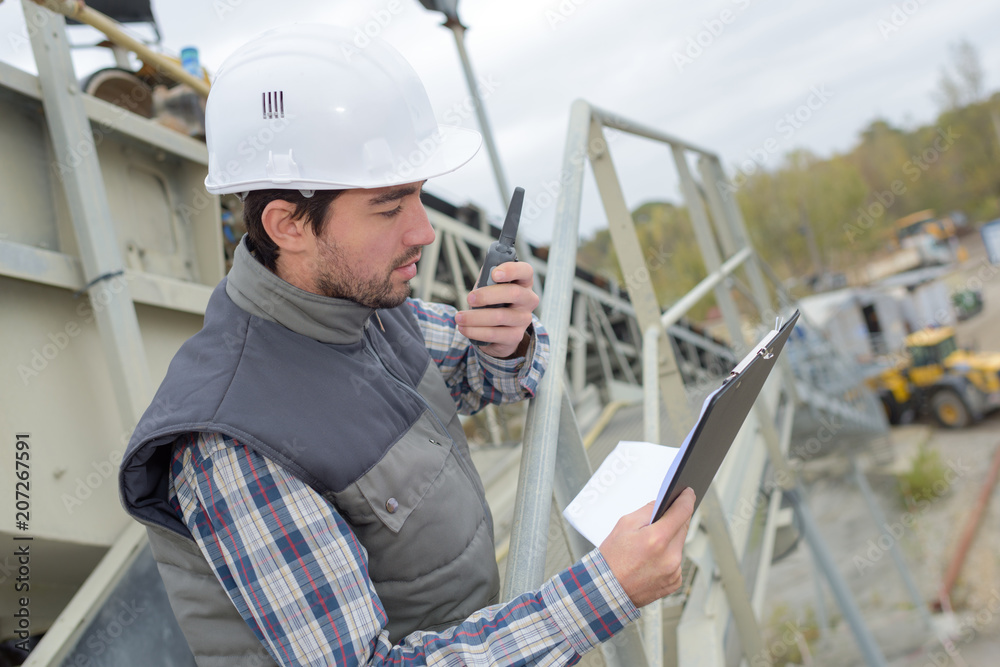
(551, 436)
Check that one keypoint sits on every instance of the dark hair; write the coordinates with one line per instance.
(314, 209)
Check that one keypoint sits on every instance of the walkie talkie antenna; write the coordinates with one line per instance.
(509, 231)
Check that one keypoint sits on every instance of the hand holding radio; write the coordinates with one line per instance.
(503, 299)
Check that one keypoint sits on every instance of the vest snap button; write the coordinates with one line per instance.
(391, 505)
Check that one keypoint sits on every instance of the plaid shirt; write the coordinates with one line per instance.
(299, 577)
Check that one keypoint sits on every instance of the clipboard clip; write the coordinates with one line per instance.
(764, 349)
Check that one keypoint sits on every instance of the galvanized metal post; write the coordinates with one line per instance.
(870, 650)
(600, 343)
(477, 101)
(897, 555)
(526, 562)
(550, 419)
(578, 375)
(713, 195)
(605, 325)
(652, 614)
(523, 250)
(625, 649)
(822, 616)
(707, 609)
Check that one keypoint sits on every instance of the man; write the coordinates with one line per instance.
(302, 471)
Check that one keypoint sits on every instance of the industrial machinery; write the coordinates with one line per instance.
(935, 238)
(933, 376)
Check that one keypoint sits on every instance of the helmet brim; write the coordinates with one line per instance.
(443, 152)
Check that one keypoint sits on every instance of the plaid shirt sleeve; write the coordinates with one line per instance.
(298, 576)
(476, 379)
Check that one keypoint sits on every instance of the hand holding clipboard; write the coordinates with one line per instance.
(722, 416)
(646, 556)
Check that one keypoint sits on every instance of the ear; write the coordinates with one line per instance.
(292, 235)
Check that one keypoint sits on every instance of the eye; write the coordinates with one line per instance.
(393, 213)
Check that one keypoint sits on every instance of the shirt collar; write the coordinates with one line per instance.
(258, 291)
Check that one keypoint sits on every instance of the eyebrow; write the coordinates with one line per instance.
(395, 194)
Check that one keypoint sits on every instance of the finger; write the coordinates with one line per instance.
(676, 543)
(494, 317)
(678, 513)
(517, 296)
(520, 273)
(508, 337)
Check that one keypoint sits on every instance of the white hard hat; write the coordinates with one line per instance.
(316, 107)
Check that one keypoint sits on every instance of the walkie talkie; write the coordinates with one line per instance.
(502, 250)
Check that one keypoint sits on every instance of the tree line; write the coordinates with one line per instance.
(848, 202)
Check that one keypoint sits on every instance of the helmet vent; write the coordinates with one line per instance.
(273, 104)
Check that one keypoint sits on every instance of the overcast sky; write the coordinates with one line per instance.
(723, 74)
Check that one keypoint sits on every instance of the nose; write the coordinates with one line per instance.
(419, 231)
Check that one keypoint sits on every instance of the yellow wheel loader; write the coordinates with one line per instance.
(956, 387)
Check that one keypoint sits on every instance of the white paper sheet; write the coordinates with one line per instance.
(628, 478)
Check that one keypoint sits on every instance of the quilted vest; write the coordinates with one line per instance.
(357, 411)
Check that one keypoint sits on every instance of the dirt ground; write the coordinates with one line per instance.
(927, 536)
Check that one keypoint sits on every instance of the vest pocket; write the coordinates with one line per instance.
(415, 511)
(396, 485)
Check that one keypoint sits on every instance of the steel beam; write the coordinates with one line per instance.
(112, 118)
(100, 259)
(706, 242)
(637, 282)
(708, 283)
(613, 120)
(100, 255)
(713, 179)
(48, 267)
(601, 344)
(74, 619)
(714, 521)
(484, 122)
(605, 325)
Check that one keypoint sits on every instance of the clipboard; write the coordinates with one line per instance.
(722, 416)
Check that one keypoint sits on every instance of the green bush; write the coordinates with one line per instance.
(926, 480)
(784, 632)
